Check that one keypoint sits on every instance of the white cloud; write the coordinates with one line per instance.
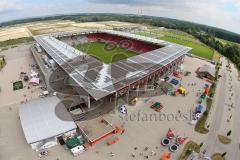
(6, 5)
(210, 12)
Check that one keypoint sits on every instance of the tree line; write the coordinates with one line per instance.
(231, 51)
(204, 33)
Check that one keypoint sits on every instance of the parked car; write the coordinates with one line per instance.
(174, 81)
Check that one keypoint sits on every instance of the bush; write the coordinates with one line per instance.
(229, 133)
(205, 113)
(211, 95)
(189, 152)
(188, 149)
(200, 126)
(2, 63)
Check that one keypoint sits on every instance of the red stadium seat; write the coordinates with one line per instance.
(129, 44)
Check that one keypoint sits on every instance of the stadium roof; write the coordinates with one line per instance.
(40, 121)
(99, 79)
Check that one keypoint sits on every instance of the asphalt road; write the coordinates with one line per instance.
(212, 141)
(212, 144)
(234, 147)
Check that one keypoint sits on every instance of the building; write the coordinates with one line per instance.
(206, 71)
(44, 120)
(93, 86)
(95, 81)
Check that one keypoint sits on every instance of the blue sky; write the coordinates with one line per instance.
(220, 13)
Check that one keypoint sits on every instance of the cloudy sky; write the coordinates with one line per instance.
(220, 13)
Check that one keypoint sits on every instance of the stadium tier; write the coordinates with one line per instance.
(124, 42)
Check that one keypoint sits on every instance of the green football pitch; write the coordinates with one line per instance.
(105, 52)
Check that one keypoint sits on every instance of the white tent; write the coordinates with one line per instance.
(44, 119)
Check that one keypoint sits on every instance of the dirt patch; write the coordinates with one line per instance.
(13, 33)
(217, 156)
(216, 56)
(224, 140)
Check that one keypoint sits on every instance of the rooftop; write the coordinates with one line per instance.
(207, 68)
(99, 79)
(40, 121)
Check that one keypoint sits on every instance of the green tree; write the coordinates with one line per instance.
(229, 132)
(224, 154)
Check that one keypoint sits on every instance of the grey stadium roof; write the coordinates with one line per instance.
(99, 79)
(39, 120)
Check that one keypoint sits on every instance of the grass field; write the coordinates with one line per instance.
(12, 42)
(107, 53)
(181, 38)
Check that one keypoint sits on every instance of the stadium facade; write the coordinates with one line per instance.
(94, 80)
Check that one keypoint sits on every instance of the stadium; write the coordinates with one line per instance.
(100, 66)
